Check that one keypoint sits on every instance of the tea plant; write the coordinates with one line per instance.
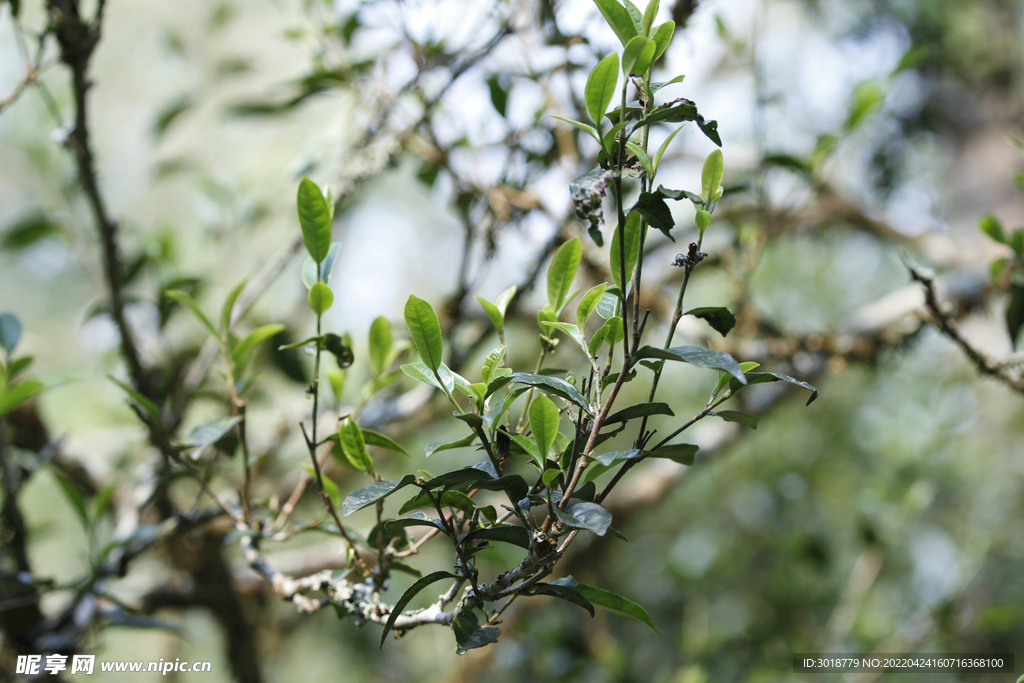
(543, 431)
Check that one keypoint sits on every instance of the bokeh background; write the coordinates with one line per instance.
(887, 516)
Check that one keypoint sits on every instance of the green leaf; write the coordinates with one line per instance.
(372, 438)
(562, 589)
(544, 420)
(662, 37)
(353, 446)
(505, 533)
(470, 635)
(512, 484)
(683, 453)
(710, 129)
(144, 403)
(10, 331)
(415, 519)
(422, 373)
(650, 14)
(340, 348)
(456, 477)
(632, 248)
(589, 130)
(425, 330)
(553, 385)
(438, 446)
(448, 499)
(381, 341)
(561, 273)
(639, 410)
(254, 339)
(637, 56)
(762, 377)
(656, 162)
(186, 300)
(229, 305)
(570, 329)
(991, 226)
(407, 598)
(333, 492)
(744, 419)
(13, 395)
(618, 18)
(1014, 314)
(702, 219)
(529, 446)
(694, 355)
(867, 99)
(589, 516)
(588, 303)
(634, 14)
(368, 495)
(75, 497)
(642, 156)
(721, 319)
(654, 209)
(616, 603)
(211, 432)
(711, 175)
(1016, 242)
(609, 459)
(320, 298)
(309, 267)
(314, 219)
(491, 363)
(610, 333)
(601, 83)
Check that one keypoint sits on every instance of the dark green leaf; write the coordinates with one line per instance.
(553, 385)
(506, 533)
(682, 453)
(639, 410)
(466, 474)
(589, 516)
(562, 592)
(616, 603)
(512, 484)
(340, 348)
(499, 95)
(744, 419)
(438, 446)
(608, 459)
(632, 249)
(314, 219)
(448, 499)
(694, 355)
(654, 209)
(407, 598)
(470, 635)
(721, 319)
(144, 403)
(677, 110)
(762, 377)
(378, 490)
(1014, 314)
(415, 519)
(710, 129)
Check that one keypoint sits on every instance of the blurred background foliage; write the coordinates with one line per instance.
(885, 517)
